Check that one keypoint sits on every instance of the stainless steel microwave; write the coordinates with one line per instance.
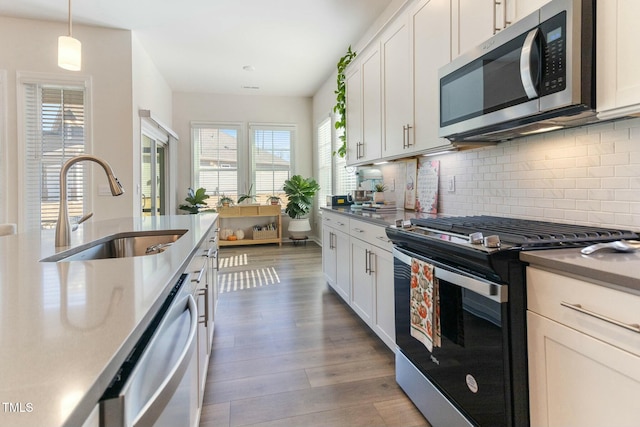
(536, 75)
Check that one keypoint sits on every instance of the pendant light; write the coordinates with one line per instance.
(69, 50)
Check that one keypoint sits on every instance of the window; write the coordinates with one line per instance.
(54, 131)
(215, 149)
(325, 149)
(270, 159)
(334, 174)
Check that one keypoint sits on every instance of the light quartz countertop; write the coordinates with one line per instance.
(66, 327)
(607, 268)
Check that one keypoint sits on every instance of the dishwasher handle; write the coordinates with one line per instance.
(153, 408)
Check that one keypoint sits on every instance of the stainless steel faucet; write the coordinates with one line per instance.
(63, 227)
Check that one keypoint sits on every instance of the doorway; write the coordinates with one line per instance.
(155, 163)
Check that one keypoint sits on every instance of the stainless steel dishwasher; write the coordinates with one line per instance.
(154, 386)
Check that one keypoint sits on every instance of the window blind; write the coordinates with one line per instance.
(215, 150)
(54, 132)
(324, 161)
(271, 158)
(345, 176)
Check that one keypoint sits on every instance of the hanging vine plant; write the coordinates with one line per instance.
(341, 101)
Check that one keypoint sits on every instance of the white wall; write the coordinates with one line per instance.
(31, 46)
(188, 107)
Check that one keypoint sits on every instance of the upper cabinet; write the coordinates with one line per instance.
(618, 78)
(431, 49)
(397, 89)
(477, 20)
(364, 107)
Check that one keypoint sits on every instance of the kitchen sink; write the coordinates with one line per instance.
(121, 245)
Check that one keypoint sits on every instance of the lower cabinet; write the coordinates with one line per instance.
(335, 252)
(203, 269)
(357, 263)
(584, 358)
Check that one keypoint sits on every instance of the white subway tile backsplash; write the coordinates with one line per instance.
(588, 175)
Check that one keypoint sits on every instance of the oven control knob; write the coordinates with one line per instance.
(475, 238)
(492, 241)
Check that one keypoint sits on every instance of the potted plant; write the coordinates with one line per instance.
(196, 201)
(378, 195)
(274, 200)
(247, 196)
(225, 201)
(300, 192)
(341, 101)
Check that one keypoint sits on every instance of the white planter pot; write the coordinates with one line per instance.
(299, 227)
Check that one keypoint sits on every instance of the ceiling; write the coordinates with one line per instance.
(290, 46)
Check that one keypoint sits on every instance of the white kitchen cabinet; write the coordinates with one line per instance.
(397, 92)
(431, 30)
(364, 108)
(618, 79)
(372, 295)
(204, 271)
(363, 263)
(584, 369)
(335, 254)
(474, 21)
(384, 301)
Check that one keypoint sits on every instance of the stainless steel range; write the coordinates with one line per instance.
(462, 355)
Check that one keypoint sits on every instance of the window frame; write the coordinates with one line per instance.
(252, 127)
(64, 81)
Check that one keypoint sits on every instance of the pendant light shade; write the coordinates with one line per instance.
(69, 53)
(69, 50)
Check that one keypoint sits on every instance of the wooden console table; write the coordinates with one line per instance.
(231, 214)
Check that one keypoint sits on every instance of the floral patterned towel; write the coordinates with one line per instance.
(425, 304)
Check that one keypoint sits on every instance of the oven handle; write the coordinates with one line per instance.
(493, 291)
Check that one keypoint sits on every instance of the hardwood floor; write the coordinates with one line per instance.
(292, 353)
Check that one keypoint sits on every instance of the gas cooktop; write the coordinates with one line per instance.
(493, 232)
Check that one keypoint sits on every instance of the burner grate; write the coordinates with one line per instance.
(524, 232)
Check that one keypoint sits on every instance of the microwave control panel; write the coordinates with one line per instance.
(554, 54)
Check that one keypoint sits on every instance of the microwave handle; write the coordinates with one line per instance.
(525, 64)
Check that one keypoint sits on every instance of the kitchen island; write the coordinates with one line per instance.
(66, 327)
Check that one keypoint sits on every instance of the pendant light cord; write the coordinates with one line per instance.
(70, 33)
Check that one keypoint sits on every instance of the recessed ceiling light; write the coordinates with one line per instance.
(250, 87)
(249, 68)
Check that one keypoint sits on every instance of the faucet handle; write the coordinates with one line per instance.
(74, 227)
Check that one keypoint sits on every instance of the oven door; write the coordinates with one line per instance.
(470, 368)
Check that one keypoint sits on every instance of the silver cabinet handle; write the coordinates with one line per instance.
(340, 223)
(158, 401)
(210, 251)
(406, 141)
(358, 230)
(384, 239)
(367, 259)
(200, 273)
(634, 327)
(495, 22)
(203, 318)
(372, 258)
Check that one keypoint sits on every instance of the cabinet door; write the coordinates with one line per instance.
(431, 29)
(577, 380)
(618, 80)
(385, 322)
(329, 256)
(371, 107)
(361, 280)
(518, 9)
(397, 90)
(343, 264)
(354, 112)
(477, 20)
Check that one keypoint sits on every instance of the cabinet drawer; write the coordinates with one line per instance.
(607, 314)
(370, 233)
(334, 220)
